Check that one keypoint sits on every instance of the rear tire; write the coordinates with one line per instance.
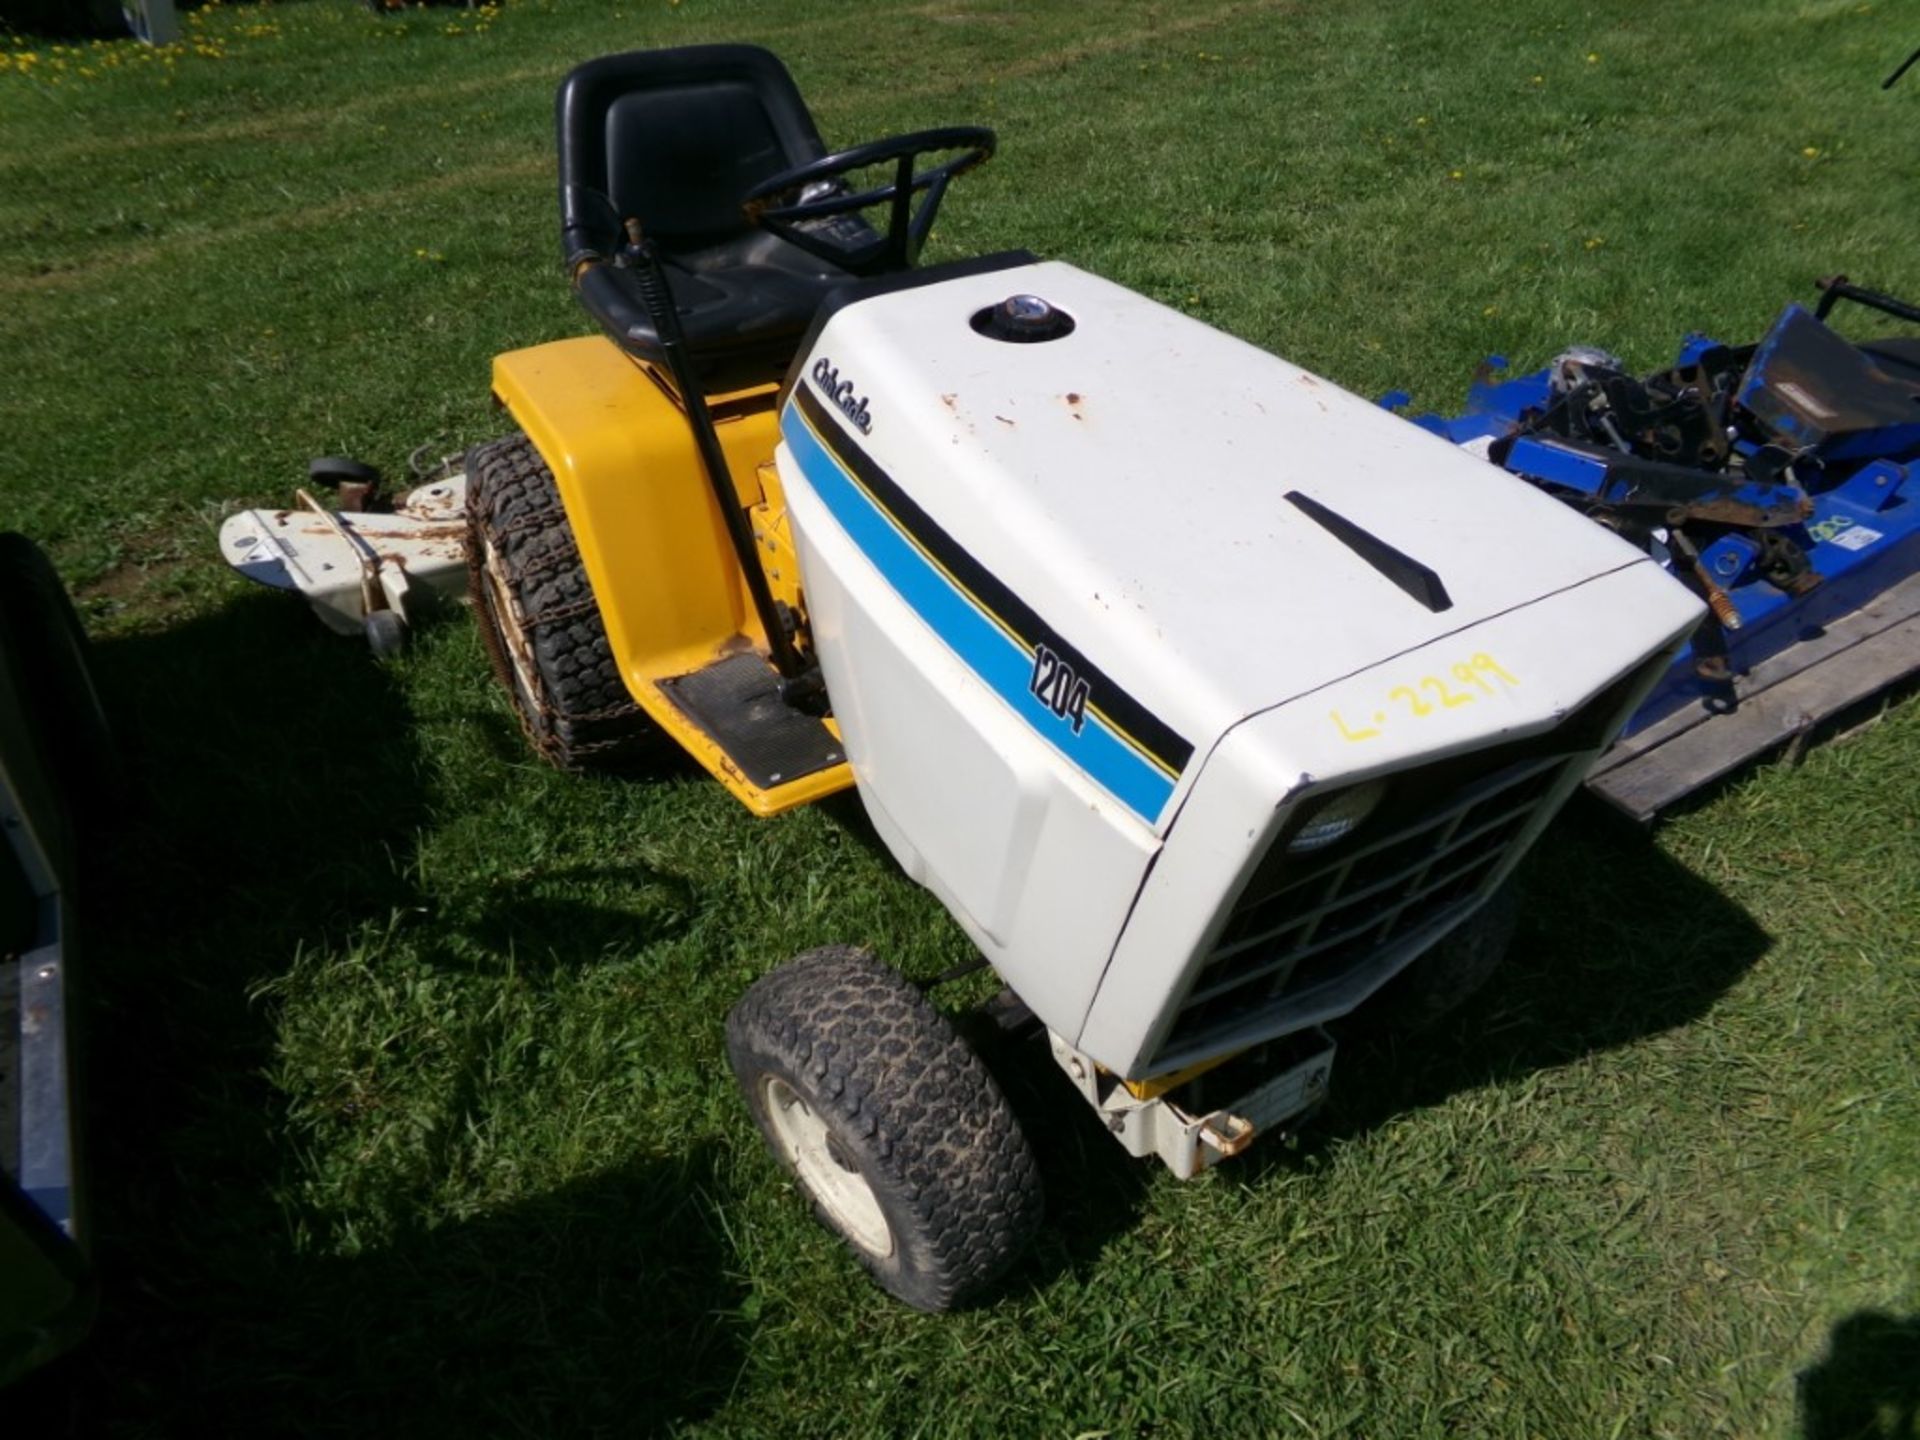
(538, 617)
(888, 1122)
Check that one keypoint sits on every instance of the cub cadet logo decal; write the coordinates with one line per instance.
(840, 392)
(1058, 688)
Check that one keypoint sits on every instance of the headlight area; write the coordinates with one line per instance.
(1328, 819)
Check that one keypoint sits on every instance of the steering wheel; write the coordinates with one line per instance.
(781, 204)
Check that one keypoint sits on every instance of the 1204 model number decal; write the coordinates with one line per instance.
(1058, 688)
(1060, 693)
(1430, 694)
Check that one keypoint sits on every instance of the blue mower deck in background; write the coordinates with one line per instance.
(1778, 481)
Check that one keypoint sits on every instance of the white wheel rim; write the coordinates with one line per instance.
(809, 1148)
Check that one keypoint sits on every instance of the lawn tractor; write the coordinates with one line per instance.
(1214, 702)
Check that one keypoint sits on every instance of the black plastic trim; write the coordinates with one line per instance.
(1417, 580)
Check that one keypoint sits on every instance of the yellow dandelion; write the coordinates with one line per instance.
(1456, 175)
(1812, 152)
(1594, 242)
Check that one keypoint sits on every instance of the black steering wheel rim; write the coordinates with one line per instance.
(908, 224)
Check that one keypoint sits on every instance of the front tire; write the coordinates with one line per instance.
(888, 1122)
(1441, 980)
(539, 619)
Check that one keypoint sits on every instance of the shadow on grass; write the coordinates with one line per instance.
(544, 922)
(1867, 1385)
(602, 1307)
(1094, 1188)
(1617, 942)
(278, 787)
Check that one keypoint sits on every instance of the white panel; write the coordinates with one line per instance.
(1035, 863)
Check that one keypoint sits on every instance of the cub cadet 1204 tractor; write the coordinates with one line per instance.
(1207, 696)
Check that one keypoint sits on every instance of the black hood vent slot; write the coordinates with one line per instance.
(1422, 583)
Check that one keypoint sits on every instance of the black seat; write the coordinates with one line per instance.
(675, 139)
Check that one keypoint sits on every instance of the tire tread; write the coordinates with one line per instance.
(950, 1163)
(582, 717)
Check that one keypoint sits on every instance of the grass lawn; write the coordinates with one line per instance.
(408, 1108)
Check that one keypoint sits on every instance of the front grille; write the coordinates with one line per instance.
(1312, 935)
(1305, 923)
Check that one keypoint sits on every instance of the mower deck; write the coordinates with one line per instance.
(1774, 480)
(350, 563)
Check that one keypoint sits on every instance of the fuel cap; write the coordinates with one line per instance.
(1023, 320)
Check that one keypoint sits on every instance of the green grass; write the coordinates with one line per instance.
(408, 1109)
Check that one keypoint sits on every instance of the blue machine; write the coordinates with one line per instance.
(1780, 481)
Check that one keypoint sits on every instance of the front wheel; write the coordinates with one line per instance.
(1440, 981)
(888, 1122)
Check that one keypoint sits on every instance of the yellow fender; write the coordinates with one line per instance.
(652, 541)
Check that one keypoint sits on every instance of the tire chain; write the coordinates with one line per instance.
(514, 510)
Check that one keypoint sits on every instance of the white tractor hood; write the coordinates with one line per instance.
(1128, 485)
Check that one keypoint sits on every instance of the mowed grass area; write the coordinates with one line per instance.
(407, 1101)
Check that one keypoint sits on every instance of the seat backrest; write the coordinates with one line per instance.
(673, 138)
